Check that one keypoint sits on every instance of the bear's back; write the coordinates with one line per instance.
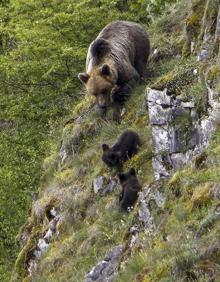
(125, 40)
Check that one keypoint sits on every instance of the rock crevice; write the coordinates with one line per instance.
(177, 132)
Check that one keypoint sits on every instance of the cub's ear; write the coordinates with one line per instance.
(105, 147)
(121, 176)
(105, 70)
(132, 171)
(83, 77)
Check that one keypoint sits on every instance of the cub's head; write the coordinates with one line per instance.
(129, 179)
(110, 157)
(99, 83)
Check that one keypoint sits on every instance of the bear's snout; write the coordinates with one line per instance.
(102, 102)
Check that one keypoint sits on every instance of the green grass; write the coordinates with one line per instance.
(175, 246)
(92, 224)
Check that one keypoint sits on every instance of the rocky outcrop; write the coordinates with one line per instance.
(209, 34)
(106, 270)
(177, 132)
(150, 194)
(202, 29)
(43, 243)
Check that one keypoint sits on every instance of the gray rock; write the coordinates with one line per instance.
(134, 230)
(211, 36)
(159, 116)
(79, 120)
(159, 97)
(42, 245)
(149, 194)
(37, 254)
(160, 170)
(216, 191)
(53, 223)
(145, 217)
(217, 210)
(98, 184)
(53, 212)
(32, 267)
(103, 185)
(178, 160)
(133, 240)
(106, 270)
(109, 188)
(63, 154)
(203, 55)
(188, 105)
(177, 133)
(194, 138)
(48, 235)
(192, 46)
(160, 138)
(195, 72)
(158, 197)
(38, 209)
(114, 254)
(177, 143)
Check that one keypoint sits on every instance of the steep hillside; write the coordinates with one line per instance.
(172, 234)
(43, 46)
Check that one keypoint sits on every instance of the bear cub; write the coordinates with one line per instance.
(130, 188)
(126, 146)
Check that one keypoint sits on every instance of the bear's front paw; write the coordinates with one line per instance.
(117, 115)
(103, 113)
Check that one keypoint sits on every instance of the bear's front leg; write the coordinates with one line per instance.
(117, 108)
(120, 95)
(102, 112)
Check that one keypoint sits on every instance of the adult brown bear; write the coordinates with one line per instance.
(116, 58)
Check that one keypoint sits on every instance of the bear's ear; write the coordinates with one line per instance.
(132, 171)
(105, 70)
(121, 176)
(105, 147)
(83, 77)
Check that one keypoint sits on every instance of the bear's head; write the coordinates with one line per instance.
(129, 179)
(111, 157)
(99, 83)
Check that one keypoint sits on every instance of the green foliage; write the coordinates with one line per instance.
(43, 46)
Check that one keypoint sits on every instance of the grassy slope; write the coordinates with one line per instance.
(103, 225)
(93, 224)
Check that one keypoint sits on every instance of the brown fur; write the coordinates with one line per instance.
(126, 146)
(115, 58)
(130, 188)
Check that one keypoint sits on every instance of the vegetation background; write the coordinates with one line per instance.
(43, 46)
